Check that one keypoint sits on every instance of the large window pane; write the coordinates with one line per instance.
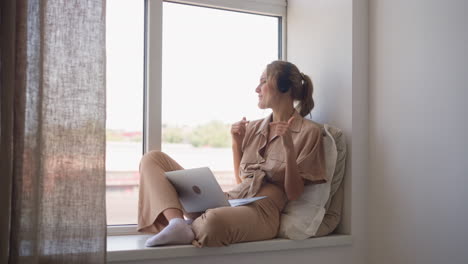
(125, 51)
(212, 62)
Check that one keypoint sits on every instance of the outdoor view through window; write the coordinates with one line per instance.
(212, 62)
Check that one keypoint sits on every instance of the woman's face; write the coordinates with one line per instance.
(266, 93)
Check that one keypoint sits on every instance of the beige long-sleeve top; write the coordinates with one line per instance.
(263, 163)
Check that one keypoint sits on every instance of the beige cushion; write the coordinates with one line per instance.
(334, 204)
(340, 144)
(312, 214)
(332, 216)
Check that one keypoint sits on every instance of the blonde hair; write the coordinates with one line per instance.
(287, 78)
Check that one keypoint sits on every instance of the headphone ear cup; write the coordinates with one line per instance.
(283, 85)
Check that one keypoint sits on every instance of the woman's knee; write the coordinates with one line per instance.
(152, 157)
(211, 229)
(211, 222)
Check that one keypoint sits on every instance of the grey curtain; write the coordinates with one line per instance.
(52, 187)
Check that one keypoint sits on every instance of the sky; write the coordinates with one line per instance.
(212, 62)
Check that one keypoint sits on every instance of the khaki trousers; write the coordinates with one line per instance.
(215, 227)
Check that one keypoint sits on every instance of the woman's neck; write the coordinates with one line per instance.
(283, 112)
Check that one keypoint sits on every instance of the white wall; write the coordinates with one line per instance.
(328, 41)
(418, 125)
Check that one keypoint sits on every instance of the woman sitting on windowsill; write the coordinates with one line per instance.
(272, 157)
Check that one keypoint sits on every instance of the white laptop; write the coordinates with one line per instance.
(198, 190)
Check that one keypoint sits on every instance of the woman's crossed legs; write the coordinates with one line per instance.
(160, 212)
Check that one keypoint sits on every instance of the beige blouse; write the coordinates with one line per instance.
(264, 162)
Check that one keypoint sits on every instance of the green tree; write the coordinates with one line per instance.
(173, 135)
(213, 134)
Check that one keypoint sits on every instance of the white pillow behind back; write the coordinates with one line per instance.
(301, 218)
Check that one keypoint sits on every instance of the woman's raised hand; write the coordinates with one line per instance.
(238, 131)
(281, 129)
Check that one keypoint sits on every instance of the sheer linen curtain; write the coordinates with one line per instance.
(53, 131)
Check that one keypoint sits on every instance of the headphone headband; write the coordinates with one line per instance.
(283, 79)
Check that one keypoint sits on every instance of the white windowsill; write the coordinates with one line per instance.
(131, 247)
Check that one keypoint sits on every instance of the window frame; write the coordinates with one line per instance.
(152, 127)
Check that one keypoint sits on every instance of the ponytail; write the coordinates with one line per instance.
(306, 103)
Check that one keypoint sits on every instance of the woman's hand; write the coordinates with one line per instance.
(293, 183)
(238, 131)
(238, 134)
(281, 129)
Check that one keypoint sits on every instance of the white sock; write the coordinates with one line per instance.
(176, 232)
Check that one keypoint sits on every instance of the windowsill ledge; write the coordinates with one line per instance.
(132, 247)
